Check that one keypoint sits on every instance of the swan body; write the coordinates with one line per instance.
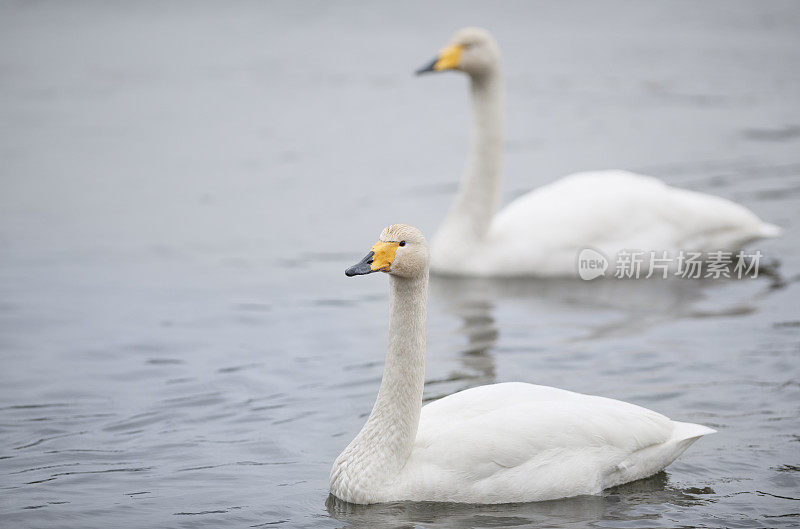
(500, 443)
(542, 232)
(516, 442)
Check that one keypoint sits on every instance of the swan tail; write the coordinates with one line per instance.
(686, 431)
(767, 230)
(654, 458)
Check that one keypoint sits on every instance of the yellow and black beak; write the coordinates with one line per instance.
(379, 259)
(447, 60)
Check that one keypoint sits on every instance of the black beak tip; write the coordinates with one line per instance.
(361, 268)
(427, 68)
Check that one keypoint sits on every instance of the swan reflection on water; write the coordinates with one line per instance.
(549, 313)
(622, 503)
(595, 309)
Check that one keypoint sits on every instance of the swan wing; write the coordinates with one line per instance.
(610, 211)
(522, 442)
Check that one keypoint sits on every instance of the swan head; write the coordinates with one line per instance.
(470, 50)
(401, 251)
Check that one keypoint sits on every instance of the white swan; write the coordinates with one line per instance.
(500, 443)
(542, 232)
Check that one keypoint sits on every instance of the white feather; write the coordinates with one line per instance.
(543, 231)
(517, 442)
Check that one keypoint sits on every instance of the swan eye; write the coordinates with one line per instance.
(402, 243)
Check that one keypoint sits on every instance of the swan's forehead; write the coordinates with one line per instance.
(401, 232)
(470, 36)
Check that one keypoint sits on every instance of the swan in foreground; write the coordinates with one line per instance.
(500, 443)
(542, 232)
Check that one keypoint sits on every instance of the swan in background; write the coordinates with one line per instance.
(499, 443)
(542, 232)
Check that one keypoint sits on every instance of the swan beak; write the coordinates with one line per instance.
(447, 60)
(362, 268)
(379, 259)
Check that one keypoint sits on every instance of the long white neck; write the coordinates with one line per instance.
(479, 193)
(383, 445)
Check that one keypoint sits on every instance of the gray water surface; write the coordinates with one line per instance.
(183, 184)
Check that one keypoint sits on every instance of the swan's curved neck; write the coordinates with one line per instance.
(399, 401)
(384, 444)
(479, 193)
